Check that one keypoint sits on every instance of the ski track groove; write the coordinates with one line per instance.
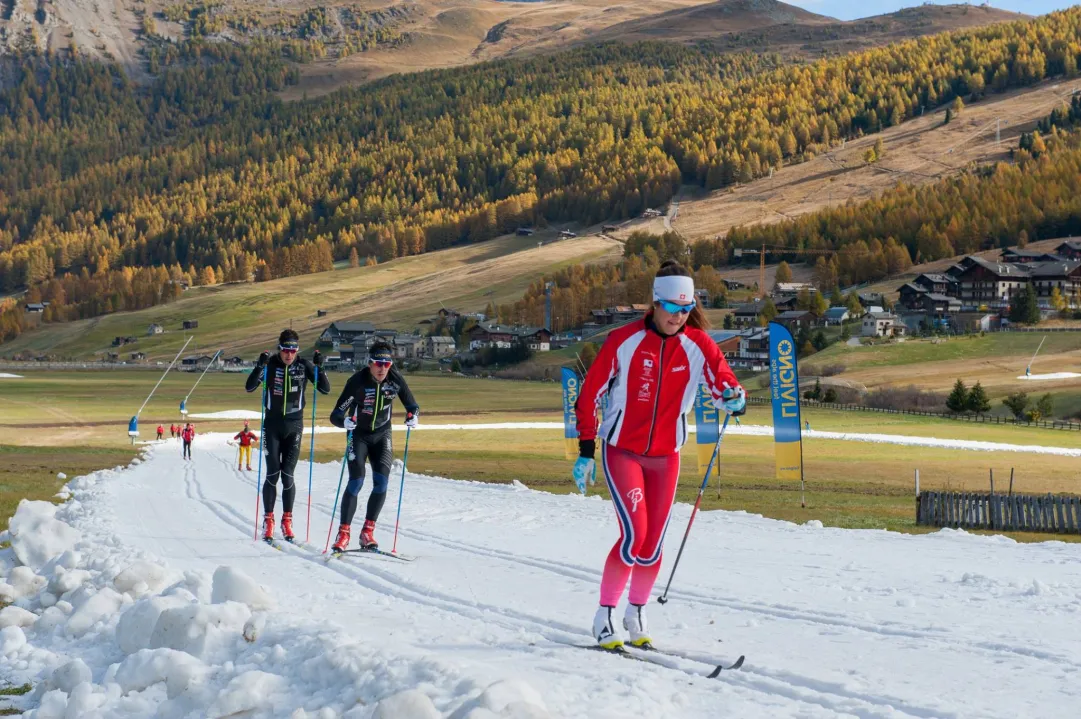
(830, 619)
(795, 687)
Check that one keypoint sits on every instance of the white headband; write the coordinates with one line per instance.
(674, 289)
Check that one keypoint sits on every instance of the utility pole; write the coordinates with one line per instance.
(998, 131)
(548, 306)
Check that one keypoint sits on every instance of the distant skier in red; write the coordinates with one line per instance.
(651, 370)
(246, 437)
(161, 432)
(187, 435)
(173, 429)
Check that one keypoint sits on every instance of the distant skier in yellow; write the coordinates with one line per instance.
(246, 438)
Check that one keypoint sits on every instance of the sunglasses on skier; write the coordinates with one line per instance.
(676, 308)
(290, 348)
(381, 364)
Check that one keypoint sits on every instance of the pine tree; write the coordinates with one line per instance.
(1046, 406)
(1017, 403)
(958, 399)
(977, 400)
(1024, 309)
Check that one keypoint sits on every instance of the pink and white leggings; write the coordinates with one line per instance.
(643, 489)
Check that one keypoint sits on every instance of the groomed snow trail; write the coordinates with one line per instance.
(833, 622)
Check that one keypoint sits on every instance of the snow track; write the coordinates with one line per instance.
(833, 622)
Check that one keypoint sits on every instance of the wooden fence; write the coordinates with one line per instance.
(979, 419)
(1010, 512)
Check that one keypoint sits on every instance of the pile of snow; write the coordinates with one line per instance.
(5, 375)
(100, 629)
(227, 414)
(1052, 375)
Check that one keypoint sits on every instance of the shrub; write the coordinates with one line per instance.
(910, 398)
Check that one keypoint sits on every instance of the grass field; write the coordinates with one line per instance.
(76, 421)
(995, 359)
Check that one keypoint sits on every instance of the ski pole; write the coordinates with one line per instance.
(709, 470)
(338, 492)
(262, 446)
(401, 489)
(311, 458)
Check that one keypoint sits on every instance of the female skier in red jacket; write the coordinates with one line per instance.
(651, 370)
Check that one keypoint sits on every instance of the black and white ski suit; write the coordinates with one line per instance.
(371, 402)
(283, 422)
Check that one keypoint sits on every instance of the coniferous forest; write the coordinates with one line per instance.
(115, 194)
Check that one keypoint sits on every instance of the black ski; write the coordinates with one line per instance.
(663, 658)
(377, 552)
(718, 667)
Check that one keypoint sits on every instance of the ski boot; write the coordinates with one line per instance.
(287, 526)
(604, 631)
(634, 621)
(367, 536)
(249, 467)
(342, 542)
(268, 528)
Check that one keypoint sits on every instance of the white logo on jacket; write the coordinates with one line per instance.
(680, 368)
(634, 496)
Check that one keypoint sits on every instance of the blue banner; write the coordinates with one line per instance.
(571, 386)
(784, 396)
(706, 419)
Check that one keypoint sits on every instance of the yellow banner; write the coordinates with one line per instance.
(788, 460)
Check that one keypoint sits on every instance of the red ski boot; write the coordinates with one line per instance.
(367, 536)
(342, 542)
(268, 527)
(287, 526)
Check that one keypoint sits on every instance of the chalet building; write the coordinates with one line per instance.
(346, 333)
(836, 316)
(439, 347)
(939, 283)
(791, 289)
(727, 341)
(409, 347)
(1070, 249)
(1015, 256)
(492, 334)
(911, 295)
(618, 315)
(938, 305)
(753, 349)
(984, 282)
(882, 324)
(797, 319)
(1064, 275)
(747, 315)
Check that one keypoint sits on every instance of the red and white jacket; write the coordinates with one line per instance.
(651, 381)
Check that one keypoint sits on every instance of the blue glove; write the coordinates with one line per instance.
(735, 400)
(584, 469)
